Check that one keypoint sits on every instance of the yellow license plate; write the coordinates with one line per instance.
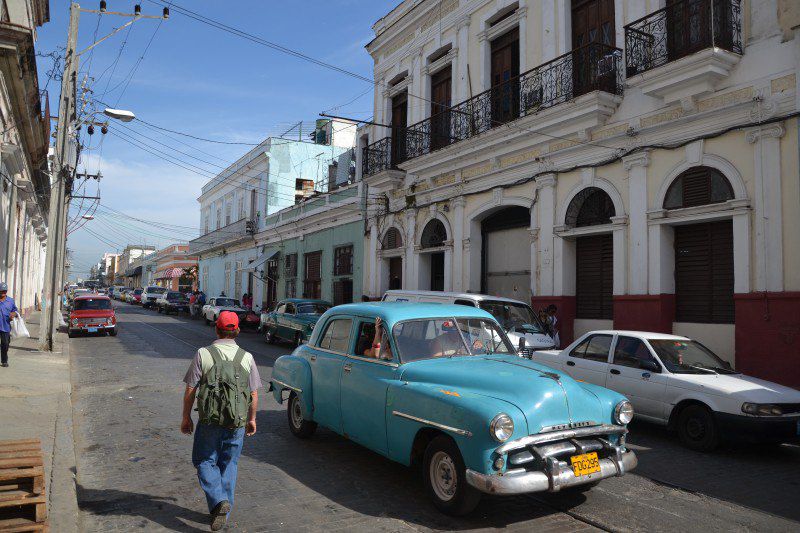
(585, 464)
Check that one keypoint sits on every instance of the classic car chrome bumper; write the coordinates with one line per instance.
(556, 476)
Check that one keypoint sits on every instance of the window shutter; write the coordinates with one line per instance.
(704, 273)
(594, 276)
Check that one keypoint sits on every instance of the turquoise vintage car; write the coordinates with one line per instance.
(293, 320)
(445, 387)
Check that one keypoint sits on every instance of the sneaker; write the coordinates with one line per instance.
(4, 364)
(220, 515)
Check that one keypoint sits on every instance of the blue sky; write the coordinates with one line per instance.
(203, 81)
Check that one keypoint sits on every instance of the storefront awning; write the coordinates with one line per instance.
(169, 273)
(133, 272)
(260, 260)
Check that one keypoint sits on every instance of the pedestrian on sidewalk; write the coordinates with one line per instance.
(8, 311)
(217, 377)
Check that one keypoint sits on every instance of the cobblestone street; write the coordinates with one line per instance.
(134, 469)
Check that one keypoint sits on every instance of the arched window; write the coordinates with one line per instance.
(392, 240)
(434, 234)
(698, 186)
(590, 207)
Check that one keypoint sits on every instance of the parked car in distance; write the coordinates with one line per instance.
(117, 293)
(172, 302)
(292, 320)
(448, 389)
(92, 313)
(151, 294)
(678, 382)
(517, 318)
(215, 306)
(135, 296)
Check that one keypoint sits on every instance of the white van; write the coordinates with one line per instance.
(517, 318)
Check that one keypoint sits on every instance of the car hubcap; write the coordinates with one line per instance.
(443, 476)
(297, 413)
(695, 428)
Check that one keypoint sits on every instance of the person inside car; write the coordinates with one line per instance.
(379, 340)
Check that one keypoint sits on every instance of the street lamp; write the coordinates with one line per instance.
(87, 217)
(120, 114)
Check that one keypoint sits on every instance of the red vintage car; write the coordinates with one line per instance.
(92, 313)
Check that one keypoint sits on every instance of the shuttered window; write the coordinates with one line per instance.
(343, 261)
(312, 283)
(343, 291)
(594, 256)
(698, 186)
(290, 266)
(392, 240)
(704, 273)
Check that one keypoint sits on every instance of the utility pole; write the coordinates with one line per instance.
(67, 119)
(56, 217)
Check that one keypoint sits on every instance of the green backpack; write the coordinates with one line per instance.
(223, 398)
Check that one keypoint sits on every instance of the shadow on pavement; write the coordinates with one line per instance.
(369, 484)
(158, 509)
(761, 477)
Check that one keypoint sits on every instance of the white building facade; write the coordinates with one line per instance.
(635, 164)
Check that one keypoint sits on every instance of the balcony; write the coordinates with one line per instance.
(226, 235)
(700, 39)
(593, 67)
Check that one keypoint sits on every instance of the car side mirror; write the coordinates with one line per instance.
(650, 366)
(521, 346)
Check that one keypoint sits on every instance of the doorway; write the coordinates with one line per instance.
(437, 271)
(395, 273)
(399, 123)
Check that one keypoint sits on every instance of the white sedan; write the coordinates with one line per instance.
(215, 306)
(680, 383)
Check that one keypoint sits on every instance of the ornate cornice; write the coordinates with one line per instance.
(639, 159)
(770, 131)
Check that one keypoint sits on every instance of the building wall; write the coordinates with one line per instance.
(741, 121)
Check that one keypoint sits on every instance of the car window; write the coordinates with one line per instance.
(312, 308)
(92, 304)
(289, 309)
(281, 308)
(447, 337)
(366, 334)
(336, 337)
(226, 302)
(465, 302)
(630, 351)
(595, 348)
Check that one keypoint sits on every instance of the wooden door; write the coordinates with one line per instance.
(505, 78)
(441, 100)
(399, 124)
(688, 27)
(594, 283)
(312, 283)
(592, 22)
(395, 273)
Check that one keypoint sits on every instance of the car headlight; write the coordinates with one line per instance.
(109, 321)
(762, 409)
(623, 412)
(501, 427)
(74, 321)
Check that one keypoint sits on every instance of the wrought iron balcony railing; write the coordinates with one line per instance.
(593, 67)
(681, 29)
(377, 157)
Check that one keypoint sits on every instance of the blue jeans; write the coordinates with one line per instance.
(215, 454)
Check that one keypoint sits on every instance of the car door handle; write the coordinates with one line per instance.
(313, 358)
(570, 363)
(615, 371)
(348, 367)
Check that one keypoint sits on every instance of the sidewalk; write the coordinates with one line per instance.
(35, 403)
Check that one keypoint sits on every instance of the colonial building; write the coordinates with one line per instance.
(25, 125)
(235, 205)
(634, 163)
(131, 264)
(175, 268)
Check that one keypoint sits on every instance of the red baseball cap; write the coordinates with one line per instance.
(228, 320)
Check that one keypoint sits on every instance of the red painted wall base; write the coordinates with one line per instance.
(565, 314)
(644, 312)
(768, 336)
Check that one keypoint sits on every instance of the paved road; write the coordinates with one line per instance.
(134, 467)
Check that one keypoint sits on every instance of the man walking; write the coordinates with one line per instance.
(218, 377)
(8, 311)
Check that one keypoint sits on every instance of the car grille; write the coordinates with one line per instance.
(533, 458)
(91, 322)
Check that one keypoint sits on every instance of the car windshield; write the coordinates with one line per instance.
(448, 337)
(689, 357)
(312, 308)
(88, 304)
(156, 290)
(174, 295)
(513, 316)
(138, 291)
(227, 302)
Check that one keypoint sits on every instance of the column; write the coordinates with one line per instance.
(636, 166)
(457, 205)
(534, 231)
(372, 267)
(547, 210)
(462, 61)
(548, 31)
(619, 234)
(418, 108)
(768, 212)
(522, 10)
(409, 266)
